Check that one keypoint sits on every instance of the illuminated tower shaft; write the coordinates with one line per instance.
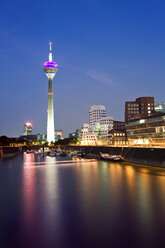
(50, 114)
(50, 69)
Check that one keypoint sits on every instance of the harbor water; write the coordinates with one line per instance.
(59, 202)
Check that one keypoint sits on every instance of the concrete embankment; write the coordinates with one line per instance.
(148, 156)
(7, 151)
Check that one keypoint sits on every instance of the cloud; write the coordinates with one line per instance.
(102, 78)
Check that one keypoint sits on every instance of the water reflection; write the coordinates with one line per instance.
(29, 188)
(67, 204)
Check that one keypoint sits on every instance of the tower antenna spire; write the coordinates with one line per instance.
(50, 52)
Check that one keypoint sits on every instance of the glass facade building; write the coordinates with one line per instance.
(149, 130)
(160, 106)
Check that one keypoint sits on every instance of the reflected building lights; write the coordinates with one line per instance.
(29, 191)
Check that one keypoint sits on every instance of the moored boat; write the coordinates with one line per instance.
(109, 157)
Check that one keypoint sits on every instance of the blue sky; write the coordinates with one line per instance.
(108, 52)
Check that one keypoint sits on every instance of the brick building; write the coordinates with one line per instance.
(117, 136)
(141, 107)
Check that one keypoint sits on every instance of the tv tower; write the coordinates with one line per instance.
(50, 69)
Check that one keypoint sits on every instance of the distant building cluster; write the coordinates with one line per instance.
(144, 125)
(102, 129)
(145, 122)
(99, 127)
(40, 138)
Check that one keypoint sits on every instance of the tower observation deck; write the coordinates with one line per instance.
(50, 69)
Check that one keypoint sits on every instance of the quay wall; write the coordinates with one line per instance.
(148, 156)
(7, 151)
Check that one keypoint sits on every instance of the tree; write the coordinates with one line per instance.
(4, 141)
(67, 141)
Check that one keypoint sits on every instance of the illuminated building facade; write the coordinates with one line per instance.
(50, 69)
(106, 124)
(96, 113)
(117, 136)
(160, 107)
(147, 131)
(142, 107)
(84, 129)
(99, 122)
(28, 128)
(58, 135)
(89, 139)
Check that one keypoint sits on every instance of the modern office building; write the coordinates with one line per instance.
(28, 128)
(160, 107)
(58, 135)
(84, 129)
(106, 124)
(50, 69)
(41, 137)
(99, 122)
(147, 131)
(96, 113)
(76, 134)
(141, 107)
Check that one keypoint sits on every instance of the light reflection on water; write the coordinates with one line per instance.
(64, 204)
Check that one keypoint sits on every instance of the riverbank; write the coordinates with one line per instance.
(147, 156)
(8, 152)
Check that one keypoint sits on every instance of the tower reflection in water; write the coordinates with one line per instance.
(92, 201)
(40, 201)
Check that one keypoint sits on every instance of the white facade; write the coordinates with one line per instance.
(99, 126)
(96, 113)
(84, 129)
(106, 124)
(89, 139)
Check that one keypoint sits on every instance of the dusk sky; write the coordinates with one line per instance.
(108, 52)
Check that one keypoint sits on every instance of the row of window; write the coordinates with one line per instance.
(119, 134)
(137, 104)
(133, 112)
(133, 105)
